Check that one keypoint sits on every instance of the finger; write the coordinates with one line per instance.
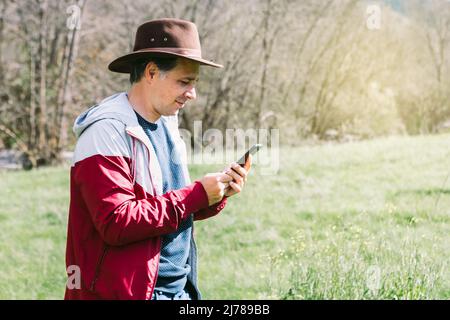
(221, 190)
(243, 177)
(223, 185)
(249, 162)
(236, 177)
(226, 169)
(241, 171)
(235, 187)
(223, 177)
(229, 191)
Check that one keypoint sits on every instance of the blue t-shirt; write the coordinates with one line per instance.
(173, 262)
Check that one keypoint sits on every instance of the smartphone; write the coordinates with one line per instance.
(243, 160)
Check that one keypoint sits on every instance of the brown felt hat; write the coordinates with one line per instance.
(163, 37)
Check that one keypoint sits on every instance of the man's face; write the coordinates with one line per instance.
(170, 91)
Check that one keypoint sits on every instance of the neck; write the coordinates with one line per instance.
(141, 104)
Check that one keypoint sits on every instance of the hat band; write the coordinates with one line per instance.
(182, 51)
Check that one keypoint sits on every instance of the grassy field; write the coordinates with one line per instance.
(365, 220)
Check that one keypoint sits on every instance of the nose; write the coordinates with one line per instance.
(191, 94)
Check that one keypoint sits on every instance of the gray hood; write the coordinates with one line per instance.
(116, 107)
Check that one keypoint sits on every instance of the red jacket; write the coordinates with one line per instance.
(117, 212)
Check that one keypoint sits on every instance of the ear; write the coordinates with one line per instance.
(151, 70)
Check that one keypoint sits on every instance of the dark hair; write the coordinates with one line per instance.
(163, 64)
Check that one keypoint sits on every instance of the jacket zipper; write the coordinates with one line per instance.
(154, 193)
(97, 269)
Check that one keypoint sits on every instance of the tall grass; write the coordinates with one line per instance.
(365, 220)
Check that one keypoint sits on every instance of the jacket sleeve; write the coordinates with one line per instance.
(210, 211)
(106, 187)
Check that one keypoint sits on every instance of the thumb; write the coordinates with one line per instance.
(248, 163)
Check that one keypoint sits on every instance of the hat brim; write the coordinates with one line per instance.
(123, 64)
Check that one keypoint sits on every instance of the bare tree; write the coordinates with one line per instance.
(49, 70)
(305, 66)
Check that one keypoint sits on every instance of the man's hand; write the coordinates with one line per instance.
(239, 176)
(215, 184)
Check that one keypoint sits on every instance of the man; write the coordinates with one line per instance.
(130, 228)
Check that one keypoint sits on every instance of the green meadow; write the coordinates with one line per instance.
(361, 220)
